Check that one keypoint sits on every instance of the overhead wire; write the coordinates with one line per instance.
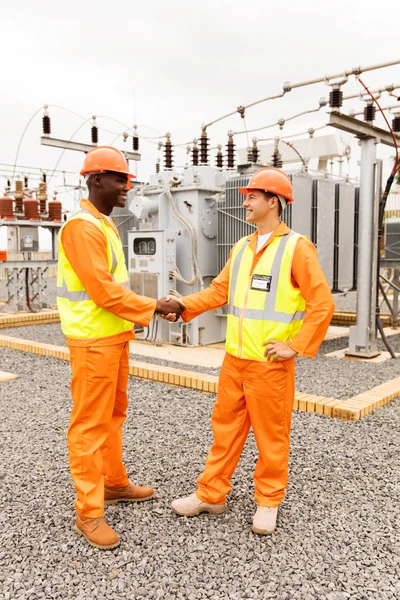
(287, 86)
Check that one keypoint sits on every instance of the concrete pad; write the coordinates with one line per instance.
(203, 356)
(4, 376)
(377, 359)
(334, 331)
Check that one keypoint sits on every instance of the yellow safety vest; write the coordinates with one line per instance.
(80, 316)
(264, 305)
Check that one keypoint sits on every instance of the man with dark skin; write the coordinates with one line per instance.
(97, 312)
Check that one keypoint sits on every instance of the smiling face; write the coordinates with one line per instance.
(108, 190)
(260, 206)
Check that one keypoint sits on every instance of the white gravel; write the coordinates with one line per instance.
(337, 535)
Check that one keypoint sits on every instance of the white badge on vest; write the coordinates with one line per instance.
(261, 282)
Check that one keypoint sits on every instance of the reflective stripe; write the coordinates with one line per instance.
(235, 272)
(268, 313)
(114, 261)
(62, 292)
(259, 315)
(270, 298)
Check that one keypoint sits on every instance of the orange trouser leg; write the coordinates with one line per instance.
(231, 424)
(261, 394)
(97, 409)
(113, 467)
(269, 390)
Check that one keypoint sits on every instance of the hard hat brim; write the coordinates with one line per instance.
(84, 172)
(248, 190)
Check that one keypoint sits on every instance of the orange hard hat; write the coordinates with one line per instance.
(271, 180)
(106, 158)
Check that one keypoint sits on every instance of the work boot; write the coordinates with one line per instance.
(192, 505)
(97, 532)
(264, 521)
(128, 493)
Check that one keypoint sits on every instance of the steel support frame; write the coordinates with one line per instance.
(362, 338)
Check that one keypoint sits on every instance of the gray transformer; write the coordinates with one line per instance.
(174, 264)
(187, 225)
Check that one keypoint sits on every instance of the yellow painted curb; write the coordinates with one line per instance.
(21, 319)
(352, 409)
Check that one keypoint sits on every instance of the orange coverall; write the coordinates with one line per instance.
(260, 394)
(99, 369)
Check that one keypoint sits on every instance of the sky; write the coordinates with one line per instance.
(171, 66)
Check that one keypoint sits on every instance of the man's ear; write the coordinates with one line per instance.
(276, 203)
(97, 180)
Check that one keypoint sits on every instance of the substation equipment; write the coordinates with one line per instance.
(26, 268)
(188, 223)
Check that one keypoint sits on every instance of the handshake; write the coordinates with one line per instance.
(170, 308)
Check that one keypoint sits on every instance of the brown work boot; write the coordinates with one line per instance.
(129, 493)
(97, 532)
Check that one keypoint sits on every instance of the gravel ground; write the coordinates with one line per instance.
(323, 376)
(337, 535)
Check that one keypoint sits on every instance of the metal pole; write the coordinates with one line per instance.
(362, 339)
(395, 311)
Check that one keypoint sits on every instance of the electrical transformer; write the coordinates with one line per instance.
(392, 238)
(175, 247)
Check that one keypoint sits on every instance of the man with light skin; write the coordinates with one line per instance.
(279, 307)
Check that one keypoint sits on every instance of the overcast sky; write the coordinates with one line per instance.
(179, 63)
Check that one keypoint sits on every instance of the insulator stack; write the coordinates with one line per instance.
(254, 152)
(55, 210)
(168, 158)
(369, 113)
(230, 152)
(31, 209)
(277, 159)
(18, 195)
(204, 148)
(46, 124)
(396, 124)
(158, 166)
(195, 154)
(135, 143)
(42, 197)
(95, 134)
(6, 208)
(336, 98)
(219, 163)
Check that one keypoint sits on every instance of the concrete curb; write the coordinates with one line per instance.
(352, 409)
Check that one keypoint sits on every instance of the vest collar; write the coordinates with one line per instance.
(282, 229)
(87, 205)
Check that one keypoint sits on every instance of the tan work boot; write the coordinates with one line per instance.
(264, 521)
(97, 532)
(192, 505)
(129, 493)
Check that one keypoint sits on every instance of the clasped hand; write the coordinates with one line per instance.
(170, 308)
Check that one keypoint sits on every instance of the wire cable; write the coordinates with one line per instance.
(22, 137)
(295, 149)
(382, 205)
(63, 151)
